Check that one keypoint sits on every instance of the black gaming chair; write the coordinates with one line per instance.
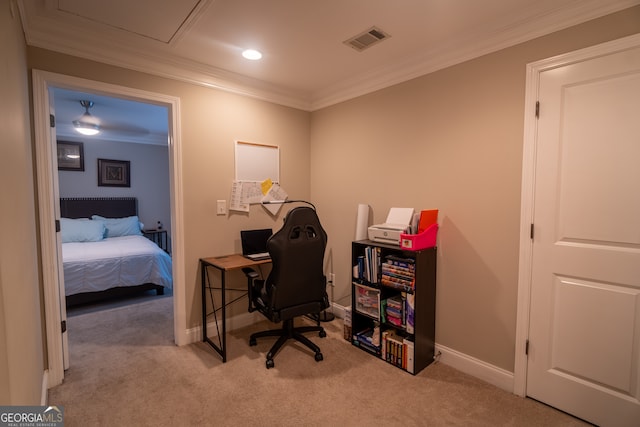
(296, 285)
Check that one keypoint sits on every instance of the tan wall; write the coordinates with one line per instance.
(21, 345)
(450, 140)
(211, 121)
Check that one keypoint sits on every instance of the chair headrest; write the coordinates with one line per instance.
(301, 226)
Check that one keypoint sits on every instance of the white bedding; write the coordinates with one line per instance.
(112, 262)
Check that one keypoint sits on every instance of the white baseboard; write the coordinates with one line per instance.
(235, 322)
(475, 367)
(498, 377)
(239, 321)
(464, 363)
(338, 310)
(44, 393)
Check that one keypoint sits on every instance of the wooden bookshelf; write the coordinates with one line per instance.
(393, 303)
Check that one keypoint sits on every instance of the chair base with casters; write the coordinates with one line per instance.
(288, 331)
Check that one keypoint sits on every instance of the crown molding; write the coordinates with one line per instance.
(464, 49)
(176, 69)
(51, 33)
(58, 32)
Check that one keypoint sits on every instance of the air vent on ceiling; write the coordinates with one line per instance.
(367, 39)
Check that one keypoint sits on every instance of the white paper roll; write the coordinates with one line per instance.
(362, 222)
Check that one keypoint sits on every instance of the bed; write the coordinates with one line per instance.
(104, 252)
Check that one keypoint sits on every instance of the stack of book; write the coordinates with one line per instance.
(399, 273)
(368, 265)
(368, 339)
(395, 311)
(398, 350)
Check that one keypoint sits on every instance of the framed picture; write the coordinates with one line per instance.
(114, 173)
(70, 156)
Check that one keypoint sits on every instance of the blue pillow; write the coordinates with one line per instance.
(81, 230)
(116, 227)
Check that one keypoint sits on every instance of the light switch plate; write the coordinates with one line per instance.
(221, 207)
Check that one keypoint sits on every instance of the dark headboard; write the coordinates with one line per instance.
(109, 207)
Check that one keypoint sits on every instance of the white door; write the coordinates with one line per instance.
(60, 269)
(584, 327)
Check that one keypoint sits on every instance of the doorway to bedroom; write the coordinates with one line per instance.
(119, 269)
(133, 134)
(44, 85)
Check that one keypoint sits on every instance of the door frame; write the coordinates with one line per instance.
(527, 202)
(41, 82)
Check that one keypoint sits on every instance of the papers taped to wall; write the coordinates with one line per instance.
(247, 193)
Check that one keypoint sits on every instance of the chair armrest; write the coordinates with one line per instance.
(252, 275)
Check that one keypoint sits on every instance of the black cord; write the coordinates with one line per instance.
(280, 202)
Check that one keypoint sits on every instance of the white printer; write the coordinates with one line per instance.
(398, 221)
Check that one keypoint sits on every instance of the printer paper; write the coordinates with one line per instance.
(400, 216)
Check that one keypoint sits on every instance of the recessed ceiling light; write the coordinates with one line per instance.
(252, 54)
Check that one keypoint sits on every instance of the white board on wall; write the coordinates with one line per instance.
(257, 162)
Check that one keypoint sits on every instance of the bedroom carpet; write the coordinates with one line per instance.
(126, 371)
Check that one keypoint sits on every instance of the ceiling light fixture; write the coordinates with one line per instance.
(252, 54)
(86, 124)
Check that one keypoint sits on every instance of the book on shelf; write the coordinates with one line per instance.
(398, 350)
(403, 286)
(398, 272)
(369, 339)
(403, 297)
(409, 352)
(410, 312)
(360, 261)
(372, 262)
(395, 310)
(399, 276)
(365, 336)
(367, 266)
(393, 348)
(399, 261)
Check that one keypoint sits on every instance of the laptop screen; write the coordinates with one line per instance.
(254, 241)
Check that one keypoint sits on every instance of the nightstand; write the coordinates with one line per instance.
(159, 237)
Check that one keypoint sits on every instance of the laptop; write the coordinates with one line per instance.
(254, 243)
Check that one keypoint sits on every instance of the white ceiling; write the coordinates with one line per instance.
(305, 65)
(120, 120)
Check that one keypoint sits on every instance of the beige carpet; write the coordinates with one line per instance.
(126, 371)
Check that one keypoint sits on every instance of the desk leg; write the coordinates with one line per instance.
(222, 338)
(224, 316)
(203, 282)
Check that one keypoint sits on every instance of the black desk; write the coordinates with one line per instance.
(222, 264)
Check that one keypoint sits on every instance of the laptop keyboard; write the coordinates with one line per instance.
(258, 257)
